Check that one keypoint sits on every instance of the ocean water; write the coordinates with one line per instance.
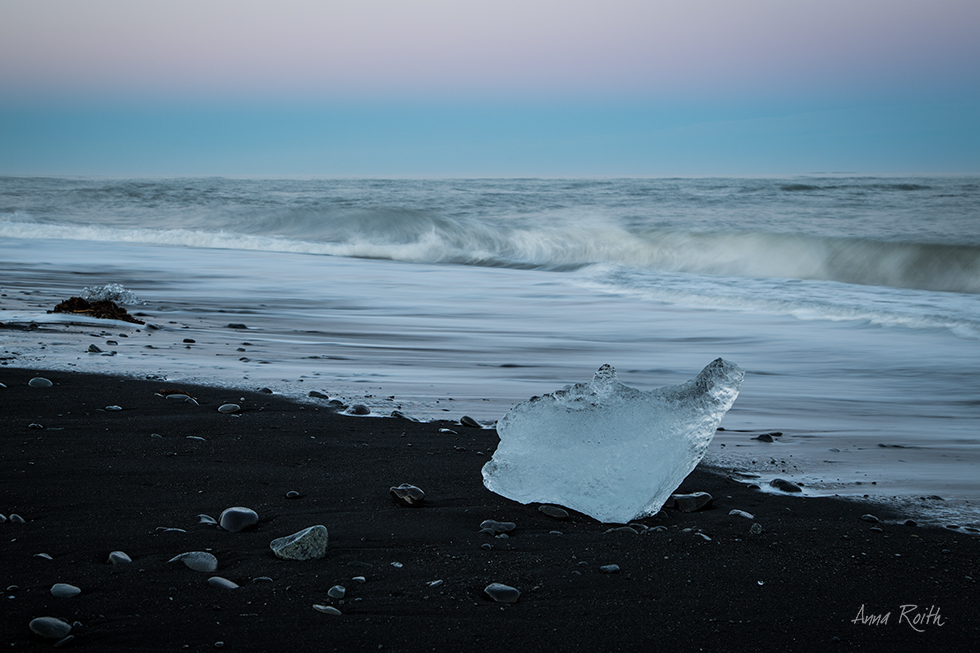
(853, 303)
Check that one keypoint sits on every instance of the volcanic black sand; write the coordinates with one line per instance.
(93, 481)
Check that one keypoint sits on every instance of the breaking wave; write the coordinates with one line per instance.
(421, 237)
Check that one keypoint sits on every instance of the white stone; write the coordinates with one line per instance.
(237, 519)
(607, 450)
(197, 560)
(308, 544)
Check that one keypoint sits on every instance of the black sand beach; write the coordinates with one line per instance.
(93, 481)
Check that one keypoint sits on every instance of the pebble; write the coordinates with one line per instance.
(206, 519)
(308, 544)
(785, 486)
(39, 382)
(229, 408)
(317, 395)
(337, 592)
(118, 558)
(553, 511)
(92, 349)
(222, 583)
(64, 590)
(2, 519)
(434, 583)
(197, 560)
(43, 556)
(623, 529)
(36, 426)
(50, 628)
(466, 420)
(113, 408)
(293, 494)
(326, 609)
(497, 526)
(358, 409)
(609, 569)
(407, 495)
(741, 513)
(691, 502)
(237, 519)
(755, 529)
(870, 518)
(502, 593)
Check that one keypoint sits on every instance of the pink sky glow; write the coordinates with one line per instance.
(314, 49)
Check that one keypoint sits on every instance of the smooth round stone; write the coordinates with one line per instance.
(468, 421)
(337, 592)
(755, 529)
(691, 502)
(358, 409)
(498, 526)
(206, 519)
(326, 609)
(783, 485)
(222, 583)
(502, 593)
(741, 513)
(64, 590)
(553, 511)
(197, 560)
(292, 494)
(238, 518)
(119, 558)
(229, 408)
(17, 519)
(39, 382)
(113, 408)
(408, 495)
(609, 569)
(308, 544)
(50, 628)
(2, 519)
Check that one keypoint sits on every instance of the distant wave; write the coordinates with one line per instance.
(422, 237)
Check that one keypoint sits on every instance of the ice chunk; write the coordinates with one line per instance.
(608, 450)
(112, 292)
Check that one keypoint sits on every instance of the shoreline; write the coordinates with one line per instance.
(93, 481)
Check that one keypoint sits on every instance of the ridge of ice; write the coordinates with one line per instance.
(607, 450)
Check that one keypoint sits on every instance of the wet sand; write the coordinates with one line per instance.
(93, 481)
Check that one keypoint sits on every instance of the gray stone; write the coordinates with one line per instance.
(783, 485)
(119, 558)
(50, 628)
(755, 529)
(92, 349)
(359, 409)
(326, 609)
(39, 382)
(502, 593)
(64, 590)
(237, 518)
(870, 518)
(17, 519)
(222, 583)
(741, 513)
(308, 544)
(408, 495)
(229, 408)
(609, 569)
(466, 420)
(553, 511)
(206, 519)
(691, 502)
(197, 560)
(498, 526)
(337, 592)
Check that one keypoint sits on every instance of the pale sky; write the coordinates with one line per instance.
(537, 87)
